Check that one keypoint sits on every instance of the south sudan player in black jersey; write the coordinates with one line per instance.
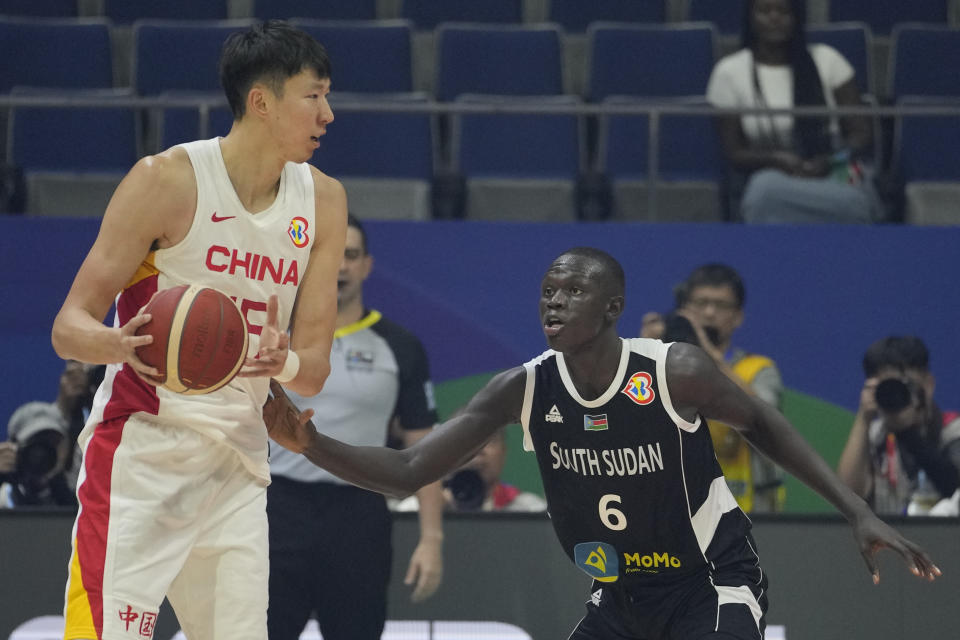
(634, 490)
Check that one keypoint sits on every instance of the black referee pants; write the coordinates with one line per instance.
(330, 555)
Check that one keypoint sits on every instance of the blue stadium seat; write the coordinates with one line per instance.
(377, 144)
(519, 166)
(883, 15)
(72, 138)
(175, 55)
(44, 9)
(855, 41)
(47, 53)
(316, 9)
(923, 60)
(650, 61)
(927, 148)
(366, 56)
(182, 124)
(129, 11)
(427, 14)
(504, 60)
(72, 157)
(498, 145)
(689, 163)
(688, 146)
(384, 159)
(726, 15)
(576, 15)
(927, 157)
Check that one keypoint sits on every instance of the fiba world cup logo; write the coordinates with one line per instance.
(640, 388)
(298, 232)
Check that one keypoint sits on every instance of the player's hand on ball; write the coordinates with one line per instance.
(872, 534)
(274, 346)
(287, 426)
(129, 341)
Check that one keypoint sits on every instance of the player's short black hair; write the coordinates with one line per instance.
(269, 52)
(899, 352)
(610, 268)
(714, 274)
(354, 221)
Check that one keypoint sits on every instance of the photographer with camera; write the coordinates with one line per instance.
(903, 452)
(32, 460)
(476, 486)
(708, 311)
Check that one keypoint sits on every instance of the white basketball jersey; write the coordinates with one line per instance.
(246, 256)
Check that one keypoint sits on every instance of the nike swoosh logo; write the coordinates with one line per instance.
(217, 218)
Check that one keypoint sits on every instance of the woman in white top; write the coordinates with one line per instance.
(799, 170)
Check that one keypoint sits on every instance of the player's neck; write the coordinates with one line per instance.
(255, 175)
(593, 366)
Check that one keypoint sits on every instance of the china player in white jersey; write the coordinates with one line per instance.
(172, 488)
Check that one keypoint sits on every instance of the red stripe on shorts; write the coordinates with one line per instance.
(129, 394)
(94, 519)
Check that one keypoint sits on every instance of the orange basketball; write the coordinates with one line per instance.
(199, 338)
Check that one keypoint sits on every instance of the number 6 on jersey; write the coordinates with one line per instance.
(612, 518)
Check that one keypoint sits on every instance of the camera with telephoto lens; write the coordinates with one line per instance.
(36, 458)
(893, 395)
(38, 429)
(677, 328)
(467, 488)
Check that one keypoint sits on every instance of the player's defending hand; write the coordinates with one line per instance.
(287, 426)
(872, 534)
(274, 347)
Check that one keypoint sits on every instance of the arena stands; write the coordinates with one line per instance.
(603, 67)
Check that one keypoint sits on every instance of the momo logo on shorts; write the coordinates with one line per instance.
(298, 232)
(598, 559)
(640, 388)
(650, 562)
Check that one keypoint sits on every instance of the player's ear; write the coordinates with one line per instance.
(257, 100)
(615, 307)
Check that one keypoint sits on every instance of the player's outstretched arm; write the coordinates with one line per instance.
(152, 207)
(401, 472)
(697, 386)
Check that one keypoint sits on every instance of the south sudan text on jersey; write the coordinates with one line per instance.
(627, 461)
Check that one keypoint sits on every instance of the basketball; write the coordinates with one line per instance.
(199, 339)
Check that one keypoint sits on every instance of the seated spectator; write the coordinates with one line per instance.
(32, 460)
(809, 169)
(709, 309)
(476, 486)
(903, 452)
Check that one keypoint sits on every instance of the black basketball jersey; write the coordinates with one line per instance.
(634, 491)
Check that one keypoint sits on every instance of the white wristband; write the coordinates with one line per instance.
(290, 368)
